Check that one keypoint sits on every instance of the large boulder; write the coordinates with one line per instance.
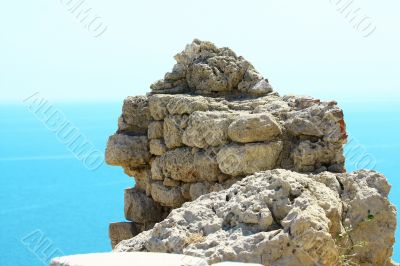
(280, 217)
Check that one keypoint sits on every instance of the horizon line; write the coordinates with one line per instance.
(100, 101)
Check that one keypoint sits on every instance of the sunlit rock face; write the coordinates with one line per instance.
(280, 217)
(209, 123)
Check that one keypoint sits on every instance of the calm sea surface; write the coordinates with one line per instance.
(49, 197)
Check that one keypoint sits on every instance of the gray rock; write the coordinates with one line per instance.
(198, 189)
(280, 217)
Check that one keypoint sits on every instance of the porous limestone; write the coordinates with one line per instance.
(280, 217)
(210, 122)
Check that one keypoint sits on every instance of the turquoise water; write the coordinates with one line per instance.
(48, 196)
(46, 193)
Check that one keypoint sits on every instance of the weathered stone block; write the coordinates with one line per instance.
(206, 166)
(170, 197)
(207, 129)
(135, 116)
(121, 231)
(308, 156)
(157, 168)
(157, 147)
(173, 129)
(179, 164)
(158, 106)
(185, 104)
(253, 128)
(301, 126)
(249, 158)
(155, 130)
(127, 150)
(168, 182)
(140, 208)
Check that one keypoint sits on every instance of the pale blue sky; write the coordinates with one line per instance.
(302, 47)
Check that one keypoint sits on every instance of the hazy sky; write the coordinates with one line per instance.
(302, 47)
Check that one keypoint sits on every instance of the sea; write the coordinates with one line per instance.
(53, 203)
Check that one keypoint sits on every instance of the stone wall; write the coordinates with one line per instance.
(210, 122)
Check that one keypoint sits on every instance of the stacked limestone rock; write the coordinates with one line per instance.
(211, 121)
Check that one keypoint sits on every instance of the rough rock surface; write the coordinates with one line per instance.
(202, 68)
(122, 230)
(212, 121)
(280, 217)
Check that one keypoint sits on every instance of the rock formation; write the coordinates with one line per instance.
(212, 121)
(280, 217)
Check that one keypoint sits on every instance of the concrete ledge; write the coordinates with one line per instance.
(134, 259)
(228, 263)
